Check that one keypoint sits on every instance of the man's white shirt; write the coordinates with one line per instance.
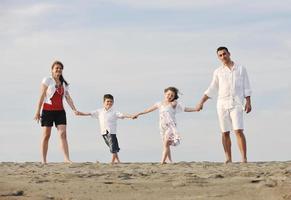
(232, 86)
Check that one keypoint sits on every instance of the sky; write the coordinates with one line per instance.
(133, 50)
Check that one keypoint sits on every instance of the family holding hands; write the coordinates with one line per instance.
(230, 81)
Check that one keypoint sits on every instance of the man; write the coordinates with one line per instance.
(232, 84)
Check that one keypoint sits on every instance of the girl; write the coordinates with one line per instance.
(53, 89)
(168, 126)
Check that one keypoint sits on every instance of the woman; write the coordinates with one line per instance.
(53, 89)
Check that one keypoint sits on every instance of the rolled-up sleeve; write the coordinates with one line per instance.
(94, 114)
(247, 86)
(213, 87)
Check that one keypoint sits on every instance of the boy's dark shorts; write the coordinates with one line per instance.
(49, 117)
(112, 142)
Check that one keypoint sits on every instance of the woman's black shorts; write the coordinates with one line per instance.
(49, 117)
(112, 142)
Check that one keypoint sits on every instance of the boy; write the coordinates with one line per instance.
(108, 123)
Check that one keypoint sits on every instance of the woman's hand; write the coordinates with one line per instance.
(37, 117)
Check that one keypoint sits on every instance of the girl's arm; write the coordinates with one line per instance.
(151, 109)
(40, 102)
(187, 109)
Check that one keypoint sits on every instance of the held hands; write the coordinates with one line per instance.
(135, 116)
(199, 107)
(76, 112)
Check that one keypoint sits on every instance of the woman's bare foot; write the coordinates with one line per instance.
(227, 161)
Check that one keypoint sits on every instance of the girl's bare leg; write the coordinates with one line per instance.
(166, 148)
(64, 143)
(169, 154)
(44, 143)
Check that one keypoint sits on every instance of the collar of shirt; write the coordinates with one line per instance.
(234, 67)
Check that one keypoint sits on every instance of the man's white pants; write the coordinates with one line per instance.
(230, 118)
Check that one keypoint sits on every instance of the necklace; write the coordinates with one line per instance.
(59, 89)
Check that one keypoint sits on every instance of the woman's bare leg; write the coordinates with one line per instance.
(64, 142)
(44, 143)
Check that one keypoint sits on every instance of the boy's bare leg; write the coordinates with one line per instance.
(44, 143)
(226, 141)
(115, 158)
(241, 141)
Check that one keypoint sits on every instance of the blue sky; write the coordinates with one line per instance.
(134, 49)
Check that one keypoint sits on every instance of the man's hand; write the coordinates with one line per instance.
(248, 107)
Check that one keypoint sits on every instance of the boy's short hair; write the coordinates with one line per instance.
(221, 48)
(108, 96)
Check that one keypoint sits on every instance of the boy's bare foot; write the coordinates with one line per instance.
(244, 160)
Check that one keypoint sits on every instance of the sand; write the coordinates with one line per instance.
(140, 181)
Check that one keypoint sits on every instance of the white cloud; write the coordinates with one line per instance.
(33, 10)
(17, 19)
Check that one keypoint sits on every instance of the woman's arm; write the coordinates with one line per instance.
(82, 113)
(40, 102)
(70, 102)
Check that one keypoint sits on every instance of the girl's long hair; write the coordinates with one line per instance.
(61, 77)
(173, 89)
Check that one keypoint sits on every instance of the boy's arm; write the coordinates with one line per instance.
(127, 116)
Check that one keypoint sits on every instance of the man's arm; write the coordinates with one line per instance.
(210, 92)
(248, 106)
(199, 106)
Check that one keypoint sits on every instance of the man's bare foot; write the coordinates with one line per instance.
(44, 163)
(68, 162)
(244, 160)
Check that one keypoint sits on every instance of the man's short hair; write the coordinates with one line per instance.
(221, 48)
(108, 96)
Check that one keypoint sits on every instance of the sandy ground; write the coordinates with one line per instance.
(140, 181)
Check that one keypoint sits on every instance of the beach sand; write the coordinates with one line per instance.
(141, 181)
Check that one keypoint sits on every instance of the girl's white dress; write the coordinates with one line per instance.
(168, 124)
